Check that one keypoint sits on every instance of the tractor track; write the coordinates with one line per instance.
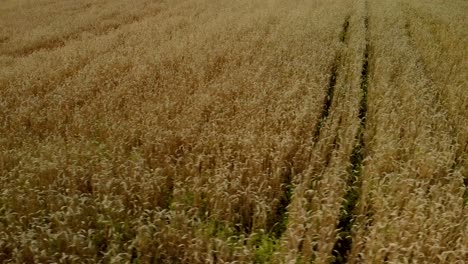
(330, 90)
(279, 217)
(348, 215)
(327, 104)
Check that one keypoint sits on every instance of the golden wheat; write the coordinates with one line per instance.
(250, 131)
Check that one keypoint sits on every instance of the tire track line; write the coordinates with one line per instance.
(277, 220)
(348, 215)
(330, 90)
(327, 104)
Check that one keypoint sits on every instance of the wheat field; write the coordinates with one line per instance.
(245, 131)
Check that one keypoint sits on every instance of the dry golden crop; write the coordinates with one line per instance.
(220, 131)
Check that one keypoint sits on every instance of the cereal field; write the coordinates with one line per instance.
(233, 131)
